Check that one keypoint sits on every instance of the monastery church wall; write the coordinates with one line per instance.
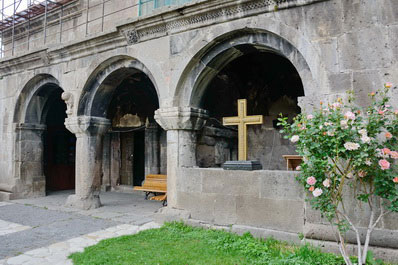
(171, 75)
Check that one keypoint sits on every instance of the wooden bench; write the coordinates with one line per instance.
(292, 161)
(154, 184)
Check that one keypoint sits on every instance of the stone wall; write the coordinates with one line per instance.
(335, 45)
(267, 203)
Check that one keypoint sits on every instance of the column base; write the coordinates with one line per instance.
(75, 201)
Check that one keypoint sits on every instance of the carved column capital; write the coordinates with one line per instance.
(181, 118)
(87, 125)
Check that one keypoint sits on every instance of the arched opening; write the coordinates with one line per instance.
(59, 145)
(136, 140)
(45, 149)
(271, 85)
(122, 90)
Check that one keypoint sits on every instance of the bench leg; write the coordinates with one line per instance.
(146, 195)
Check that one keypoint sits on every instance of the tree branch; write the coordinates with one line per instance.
(357, 235)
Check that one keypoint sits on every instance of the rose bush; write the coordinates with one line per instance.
(341, 145)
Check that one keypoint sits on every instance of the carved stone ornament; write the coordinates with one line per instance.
(68, 98)
(131, 36)
(192, 18)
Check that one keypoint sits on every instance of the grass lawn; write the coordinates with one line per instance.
(176, 243)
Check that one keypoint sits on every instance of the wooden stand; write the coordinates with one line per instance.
(292, 161)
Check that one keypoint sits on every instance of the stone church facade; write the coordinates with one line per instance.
(102, 105)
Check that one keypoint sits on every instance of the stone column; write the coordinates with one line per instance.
(152, 149)
(28, 161)
(89, 133)
(181, 125)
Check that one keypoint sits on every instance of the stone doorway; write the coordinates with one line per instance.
(139, 158)
(59, 146)
(135, 146)
(132, 166)
(45, 149)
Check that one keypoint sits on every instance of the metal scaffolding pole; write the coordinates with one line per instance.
(103, 15)
(13, 27)
(45, 21)
(2, 35)
(28, 44)
(88, 7)
(60, 24)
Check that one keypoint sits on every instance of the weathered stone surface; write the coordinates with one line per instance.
(181, 118)
(279, 214)
(334, 45)
(340, 82)
(89, 133)
(365, 47)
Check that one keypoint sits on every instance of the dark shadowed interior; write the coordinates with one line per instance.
(271, 85)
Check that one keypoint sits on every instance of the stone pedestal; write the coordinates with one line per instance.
(89, 132)
(181, 125)
(248, 165)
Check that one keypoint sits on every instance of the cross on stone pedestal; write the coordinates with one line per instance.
(242, 120)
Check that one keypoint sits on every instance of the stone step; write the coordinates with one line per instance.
(5, 196)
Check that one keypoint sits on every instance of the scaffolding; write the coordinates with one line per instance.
(17, 27)
(12, 16)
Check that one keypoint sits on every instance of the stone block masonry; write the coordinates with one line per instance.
(333, 46)
(266, 203)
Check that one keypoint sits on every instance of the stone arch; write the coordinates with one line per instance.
(212, 149)
(39, 101)
(32, 99)
(115, 83)
(224, 49)
(98, 90)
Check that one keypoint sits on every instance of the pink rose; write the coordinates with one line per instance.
(396, 112)
(326, 183)
(317, 192)
(381, 112)
(344, 124)
(388, 84)
(395, 180)
(349, 115)
(311, 188)
(386, 151)
(310, 116)
(294, 138)
(394, 154)
(362, 173)
(298, 168)
(336, 105)
(311, 181)
(351, 146)
(388, 135)
(384, 164)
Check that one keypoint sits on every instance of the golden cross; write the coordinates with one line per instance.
(242, 120)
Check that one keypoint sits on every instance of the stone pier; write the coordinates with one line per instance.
(89, 132)
(181, 125)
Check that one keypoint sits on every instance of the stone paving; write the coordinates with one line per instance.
(9, 227)
(57, 254)
(43, 231)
